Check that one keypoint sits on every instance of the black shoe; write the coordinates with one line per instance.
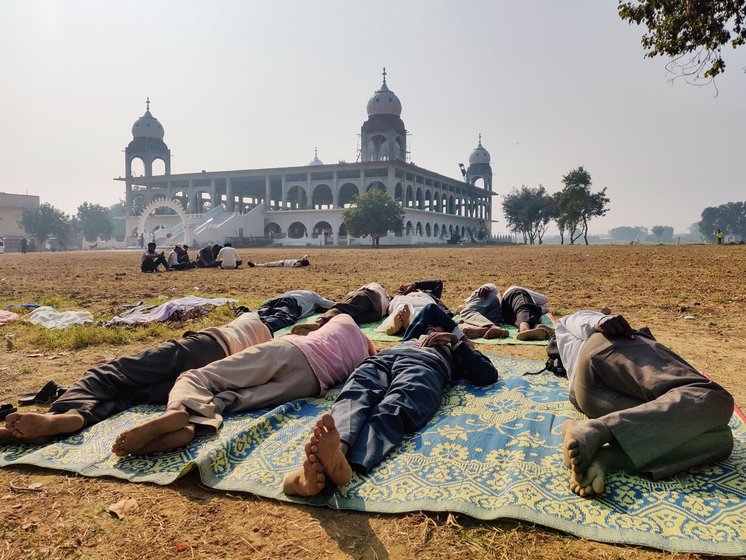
(250, 264)
(241, 309)
(47, 395)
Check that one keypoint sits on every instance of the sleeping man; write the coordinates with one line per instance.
(388, 396)
(648, 410)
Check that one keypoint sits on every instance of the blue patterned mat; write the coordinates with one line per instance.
(489, 453)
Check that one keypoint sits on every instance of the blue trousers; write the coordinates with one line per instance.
(389, 395)
(430, 316)
(279, 313)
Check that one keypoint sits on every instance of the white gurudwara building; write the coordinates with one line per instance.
(302, 205)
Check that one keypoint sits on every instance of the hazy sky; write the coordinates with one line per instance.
(245, 84)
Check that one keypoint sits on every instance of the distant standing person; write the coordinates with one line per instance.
(228, 257)
(719, 236)
(24, 245)
(141, 241)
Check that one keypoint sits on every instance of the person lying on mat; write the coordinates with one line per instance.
(485, 309)
(289, 263)
(649, 410)
(387, 396)
(265, 375)
(144, 378)
(410, 300)
(369, 303)
(284, 310)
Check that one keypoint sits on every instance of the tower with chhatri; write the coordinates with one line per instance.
(383, 136)
(147, 146)
(303, 204)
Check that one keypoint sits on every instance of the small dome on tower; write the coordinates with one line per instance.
(479, 155)
(316, 160)
(147, 126)
(384, 101)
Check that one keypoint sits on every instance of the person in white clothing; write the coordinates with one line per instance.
(228, 257)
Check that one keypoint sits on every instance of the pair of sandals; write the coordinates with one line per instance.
(47, 395)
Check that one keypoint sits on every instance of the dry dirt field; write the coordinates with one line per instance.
(692, 297)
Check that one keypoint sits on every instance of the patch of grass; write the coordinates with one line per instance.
(25, 370)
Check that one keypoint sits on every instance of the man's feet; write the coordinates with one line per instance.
(590, 484)
(496, 332)
(485, 332)
(29, 426)
(307, 480)
(539, 332)
(582, 441)
(474, 332)
(150, 436)
(401, 321)
(304, 328)
(325, 445)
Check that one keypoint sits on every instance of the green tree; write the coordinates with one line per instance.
(691, 32)
(628, 233)
(663, 234)
(576, 205)
(528, 211)
(374, 213)
(729, 217)
(46, 221)
(94, 220)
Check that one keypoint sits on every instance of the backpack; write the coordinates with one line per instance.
(554, 361)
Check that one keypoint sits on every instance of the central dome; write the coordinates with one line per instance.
(147, 126)
(384, 101)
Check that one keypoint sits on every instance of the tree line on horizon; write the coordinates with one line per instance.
(529, 211)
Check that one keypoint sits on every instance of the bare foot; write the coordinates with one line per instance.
(537, 333)
(326, 446)
(304, 328)
(136, 439)
(6, 436)
(401, 321)
(169, 441)
(496, 332)
(29, 426)
(406, 317)
(474, 332)
(582, 441)
(307, 480)
(591, 483)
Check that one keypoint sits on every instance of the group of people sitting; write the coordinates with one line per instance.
(648, 410)
(209, 256)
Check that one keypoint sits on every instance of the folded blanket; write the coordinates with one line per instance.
(7, 317)
(140, 315)
(53, 319)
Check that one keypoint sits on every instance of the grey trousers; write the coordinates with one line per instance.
(480, 313)
(265, 375)
(664, 414)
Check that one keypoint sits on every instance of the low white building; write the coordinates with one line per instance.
(302, 205)
(11, 212)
